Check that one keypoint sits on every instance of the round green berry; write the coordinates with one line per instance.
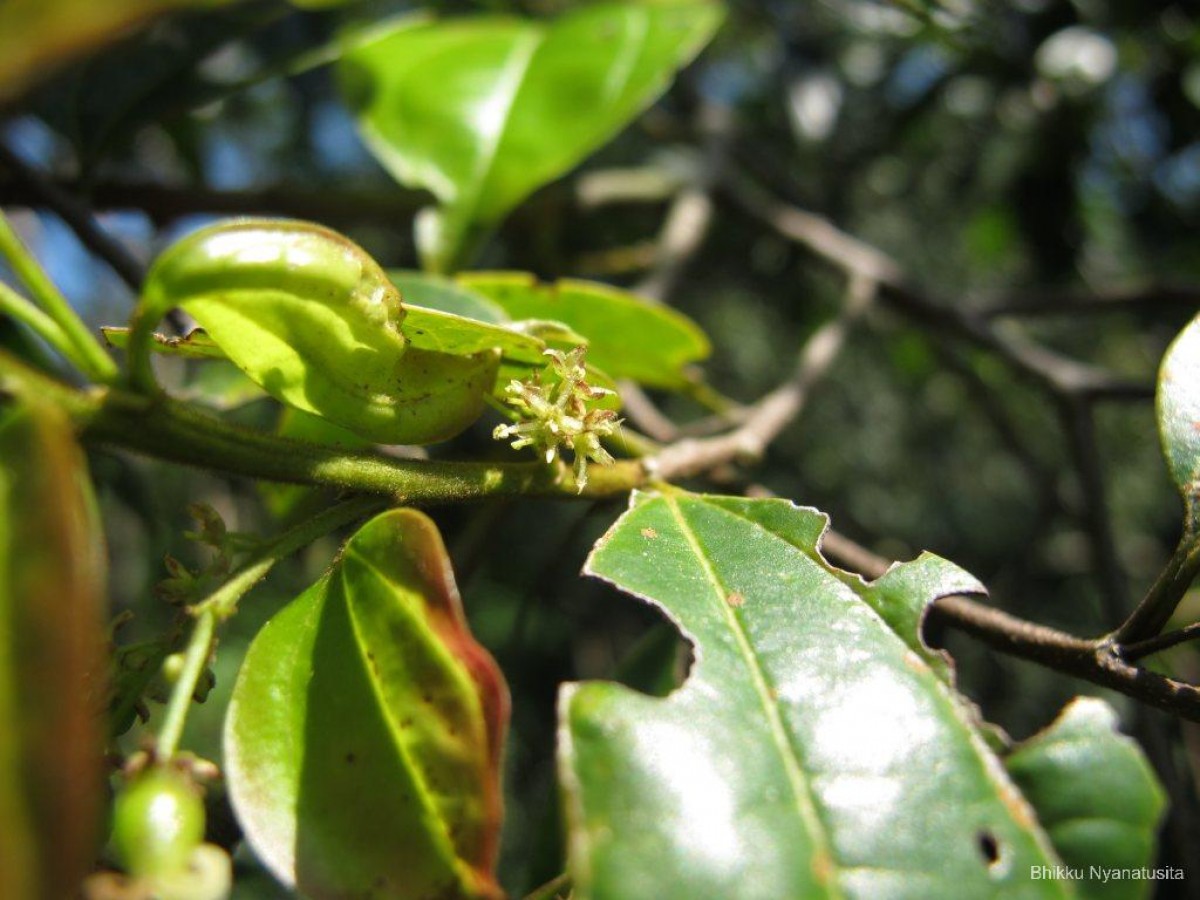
(158, 820)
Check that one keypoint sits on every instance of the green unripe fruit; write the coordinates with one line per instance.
(158, 820)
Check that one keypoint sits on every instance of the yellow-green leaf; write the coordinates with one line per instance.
(312, 319)
(627, 337)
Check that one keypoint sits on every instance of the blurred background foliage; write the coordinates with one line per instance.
(1037, 159)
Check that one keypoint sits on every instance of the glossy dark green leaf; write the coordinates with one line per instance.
(627, 337)
(1095, 795)
(482, 111)
(51, 668)
(310, 317)
(813, 750)
(1179, 417)
(362, 745)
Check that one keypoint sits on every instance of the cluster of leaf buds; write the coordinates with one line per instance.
(557, 410)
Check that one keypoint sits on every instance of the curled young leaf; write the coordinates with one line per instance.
(312, 319)
(362, 745)
(51, 684)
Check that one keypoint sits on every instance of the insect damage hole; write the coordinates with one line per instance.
(989, 847)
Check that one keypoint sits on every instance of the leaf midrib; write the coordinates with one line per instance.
(784, 746)
(511, 80)
(457, 864)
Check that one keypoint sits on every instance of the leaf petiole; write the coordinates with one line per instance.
(221, 604)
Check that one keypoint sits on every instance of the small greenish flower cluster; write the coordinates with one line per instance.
(555, 406)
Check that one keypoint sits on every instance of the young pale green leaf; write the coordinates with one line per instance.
(51, 640)
(362, 744)
(627, 337)
(443, 332)
(1179, 417)
(310, 317)
(437, 292)
(1096, 796)
(813, 751)
(482, 111)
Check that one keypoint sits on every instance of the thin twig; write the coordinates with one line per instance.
(1059, 374)
(775, 411)
(691, 212)
(166, 203)
(1096, 661)
(1159, 643)
(1156, 608)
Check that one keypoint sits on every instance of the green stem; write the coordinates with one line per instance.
(221, 604)
(199, 648)
(90, 354)
(18, 308)
(1159, 604)
(552, 889)
(174, 431)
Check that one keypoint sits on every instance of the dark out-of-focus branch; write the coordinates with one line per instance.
(164, 204)
(1057, 373)
(32, 188)
(1140, 299)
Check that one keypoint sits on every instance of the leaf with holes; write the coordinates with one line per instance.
(51, 669)
(484, 110)
(1179, 418)
(362, 744)
(1095, 794)
(816, 749)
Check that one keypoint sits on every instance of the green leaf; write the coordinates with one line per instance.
(1095, 794)
(37, 35)
(627, 337)
(311, 318)
(436, 292)
(51, 668)
(443, 332)
(362, 745)
(457, 319)
(482, 111)
(1179, 417)
(812, 750)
